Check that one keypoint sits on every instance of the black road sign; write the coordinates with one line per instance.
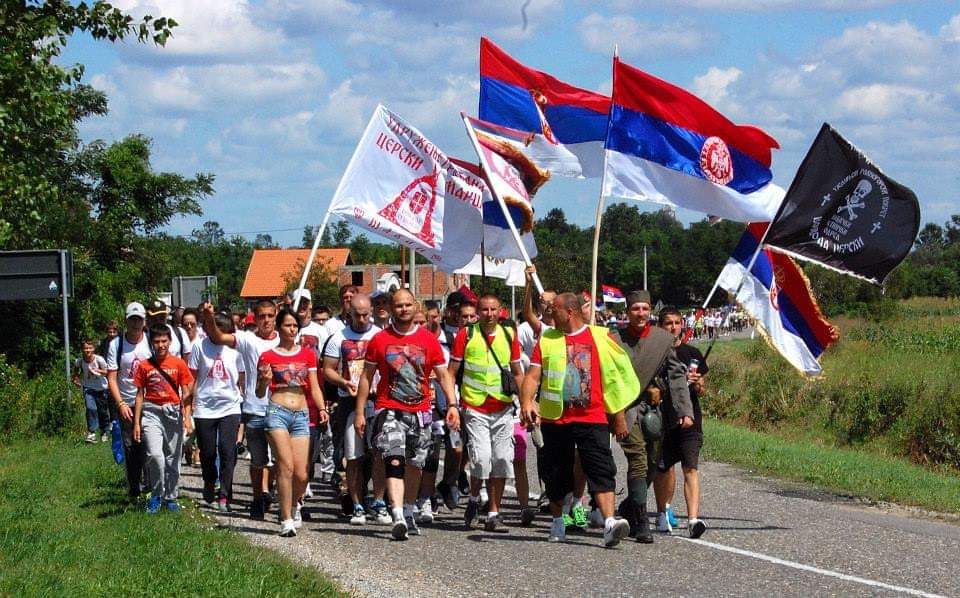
(35, 274)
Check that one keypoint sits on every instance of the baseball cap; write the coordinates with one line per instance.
(302, 294)
(378, 293)
(157, 308)
(135, 310)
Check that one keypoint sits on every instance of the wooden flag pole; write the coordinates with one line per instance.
(596, 229)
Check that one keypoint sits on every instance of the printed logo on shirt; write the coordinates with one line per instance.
(577, 381)
(218, 371)
(352, 354)
(290, 375)
(406, 366)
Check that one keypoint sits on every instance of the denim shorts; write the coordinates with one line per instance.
(296, 423)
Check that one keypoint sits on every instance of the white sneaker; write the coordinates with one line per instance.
(614, 532)
(663, 524)
(595, 520)
(91, 437)
(426, 513)
(359, 516)
(308, 492)
(297, 519)
(288, 529)
(104, 437)
(696, 527)
(558, 531)
(399, 531)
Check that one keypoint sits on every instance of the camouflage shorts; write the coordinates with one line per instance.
(403, 434)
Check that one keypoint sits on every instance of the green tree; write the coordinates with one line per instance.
(341, 233)
(264, 241)
(309, 234)
(210, 234)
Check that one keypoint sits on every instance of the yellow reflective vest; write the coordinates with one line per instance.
(481, 375)
(618, 380)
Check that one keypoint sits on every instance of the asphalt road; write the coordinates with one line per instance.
(764, 538)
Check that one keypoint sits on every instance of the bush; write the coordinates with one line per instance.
(38, 406)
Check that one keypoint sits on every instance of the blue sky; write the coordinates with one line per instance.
(271, 96)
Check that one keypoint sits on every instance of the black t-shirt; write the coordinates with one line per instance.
(687, 353)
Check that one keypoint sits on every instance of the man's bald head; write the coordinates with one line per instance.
(360, 300)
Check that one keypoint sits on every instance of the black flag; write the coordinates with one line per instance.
(842, 212)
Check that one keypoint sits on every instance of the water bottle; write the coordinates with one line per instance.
(456, 441)
(117, 444)
(694, 366)
(536, 435)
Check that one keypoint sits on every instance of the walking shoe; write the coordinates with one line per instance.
(104, 437)
(209, 494)
(411, 524)
(91, 438)
(359, 516)
(527, 515)
(614, 531)
(671, 517)
(346, 505)
(172, 506)
(470, 513)
(426, 513)
(696, 527)
(567, 520)
(495, 524)
(558, 531)
(153, 505)
(595, 520)
(380, 513)
(399, 531)
(256, 509)
(297, 517)
(663, 524)
(642, 532)
(288, 529)
(579, 515)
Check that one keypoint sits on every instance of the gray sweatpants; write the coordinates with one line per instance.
(162, 433)
(490, 443)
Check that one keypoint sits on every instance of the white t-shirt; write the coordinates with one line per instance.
(250, 346)
(217, 376)
(349, 347)
(126, 366)
(88, 378)
(312, 336)
(334, 325)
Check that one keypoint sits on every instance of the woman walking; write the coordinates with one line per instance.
(219, 375)
(290, 373)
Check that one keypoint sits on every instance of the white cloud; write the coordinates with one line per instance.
(712, 85)
(600, 34)
(880, 101)
(885, 50)
(951, 31)
(766, 5)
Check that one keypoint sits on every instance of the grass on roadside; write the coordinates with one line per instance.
(66, 530)
(847, 471)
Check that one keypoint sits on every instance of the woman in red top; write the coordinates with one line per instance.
(290, 372)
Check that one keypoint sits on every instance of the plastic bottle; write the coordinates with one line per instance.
(117, 444)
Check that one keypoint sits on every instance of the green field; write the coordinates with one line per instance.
(67, 530)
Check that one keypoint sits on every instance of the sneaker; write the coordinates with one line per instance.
(495, 524)
(256, 509)
(558, 531)
(222, 505)
(153, 505)
(470, 513)
(297, 517)
(91, 438)
(567, 520)
(663, 524)
(288, 529)
(671, 518)
(359, 515)
(595, 520)
(446, 492)
(308, 492)
(411, 524)
(172, 506)
(527, 515)
(399, 531)
(209, 494)
(696, 527)
(426, 513)
(614, 532)
(104, 437)
(380, 513)
(579, 515)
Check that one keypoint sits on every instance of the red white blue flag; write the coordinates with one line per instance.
(516, 96)
(777, 294)
(612, 294)
(668, 146)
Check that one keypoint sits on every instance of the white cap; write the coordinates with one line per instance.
(302, 294)
(136, 310)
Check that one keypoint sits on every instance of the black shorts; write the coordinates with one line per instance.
(592, 441)
(680, 446)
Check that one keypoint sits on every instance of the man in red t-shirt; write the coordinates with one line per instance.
(405, 355)
(158, 419)
(482, 350)
(582, 425)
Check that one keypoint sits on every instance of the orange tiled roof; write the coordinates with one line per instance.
(270, 268)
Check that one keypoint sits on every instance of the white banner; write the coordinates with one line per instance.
(402, 187)
(511, 271)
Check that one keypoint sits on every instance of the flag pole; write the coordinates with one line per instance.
(596, 229)
(313, 255)
(503, 206)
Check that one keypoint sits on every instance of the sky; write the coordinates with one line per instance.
(271, 96)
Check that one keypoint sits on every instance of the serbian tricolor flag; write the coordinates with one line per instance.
(668, 146)
(516, 96)
(612, 294)
(777, 294)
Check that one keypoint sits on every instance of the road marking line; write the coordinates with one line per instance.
(802, 567)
